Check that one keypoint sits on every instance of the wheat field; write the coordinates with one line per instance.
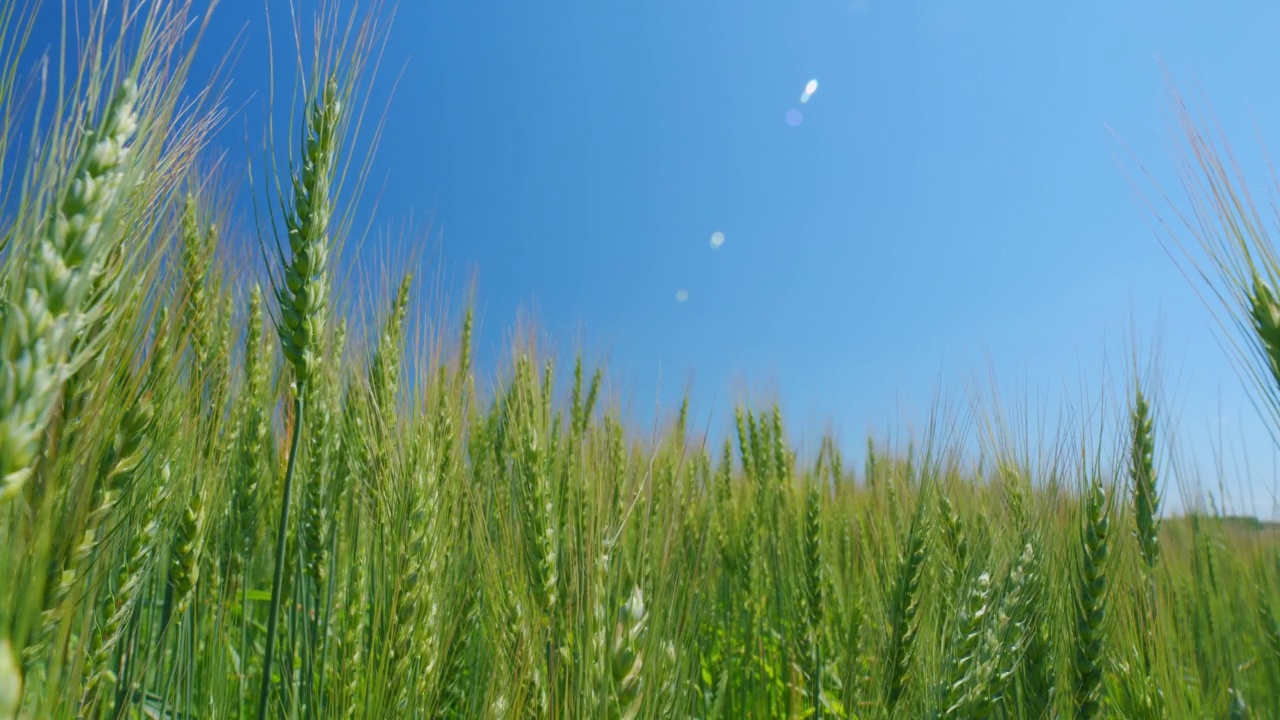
(218, 501)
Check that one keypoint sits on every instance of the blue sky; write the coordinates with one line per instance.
(953, 200)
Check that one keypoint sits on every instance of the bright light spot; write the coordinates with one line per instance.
(809, 89)
(794, 118)
(717, 239)
(682, 295)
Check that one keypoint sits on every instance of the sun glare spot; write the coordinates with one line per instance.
(717, 239)
(809, 89)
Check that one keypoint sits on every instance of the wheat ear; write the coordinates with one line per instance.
(39, 326)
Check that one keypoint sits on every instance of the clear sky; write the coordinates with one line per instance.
(952, 200)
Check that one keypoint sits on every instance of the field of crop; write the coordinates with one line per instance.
(216, 502)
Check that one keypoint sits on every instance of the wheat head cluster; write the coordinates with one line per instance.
(226, 498)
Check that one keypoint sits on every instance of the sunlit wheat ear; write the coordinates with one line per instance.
(184, 564)
(953, 531)
(353, 640)
(303, 300)
(813, 595)
(575, 403)
(744, 445)
(197, 242)
(1142, 474)
(627, 661)
(964, 688)
(905, 611)
(252, 452)
(781, 454)
(316, 513)
(39, 325)
(548, 375)
(131, 580)
(540, 520)
(1091, 604)
(756, 429)
(1014, 625)
(314, 523)
(1264, 311)
(870, 467)
(115, 473)
(1017, 491)
(385, 373)
(304, 296)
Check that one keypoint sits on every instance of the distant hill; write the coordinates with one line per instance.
(1235, 524)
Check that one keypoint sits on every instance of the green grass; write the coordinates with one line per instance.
(216, 503)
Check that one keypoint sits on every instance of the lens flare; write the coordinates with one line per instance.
(717, 239)
(809, 89)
